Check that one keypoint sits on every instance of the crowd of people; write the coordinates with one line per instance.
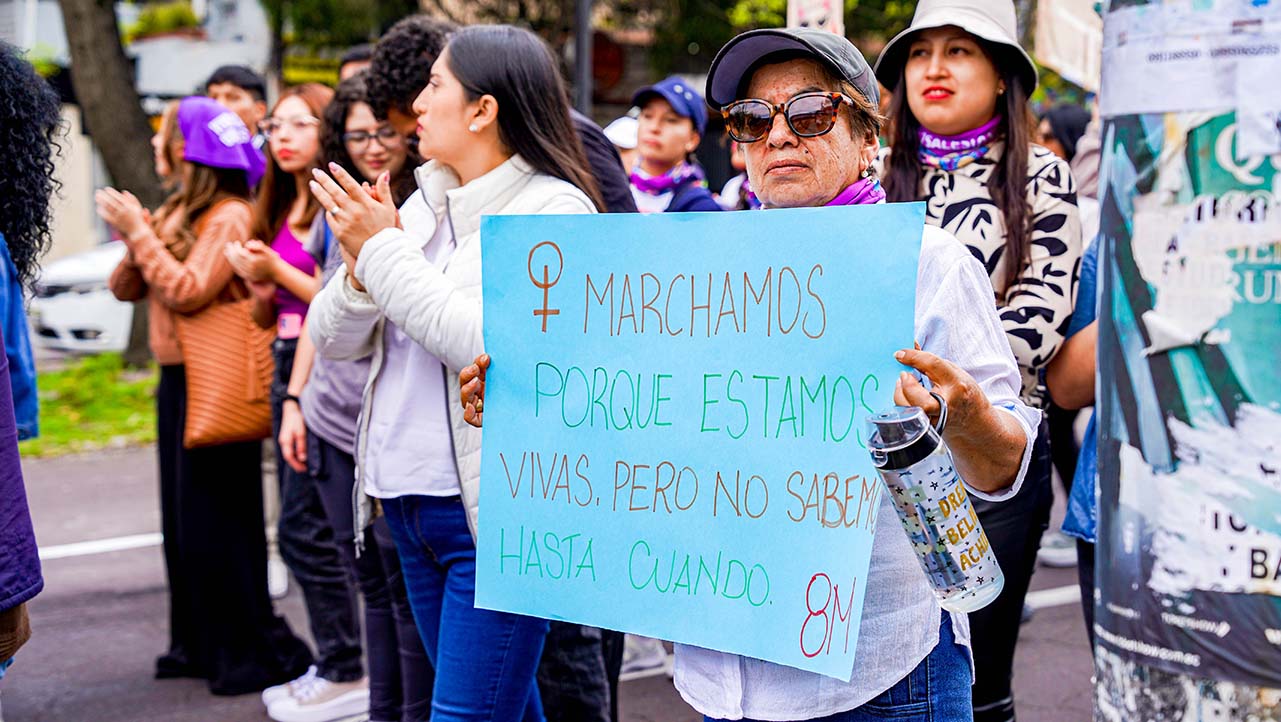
(346, 223)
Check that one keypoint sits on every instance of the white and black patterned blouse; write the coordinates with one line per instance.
(1037, 307)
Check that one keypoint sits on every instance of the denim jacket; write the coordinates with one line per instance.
(1082, 511)
(17, 349)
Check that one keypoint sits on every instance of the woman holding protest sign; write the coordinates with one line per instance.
(494, 122)
(222, 627)
(963, 144)
(803, 104)
(666, 178)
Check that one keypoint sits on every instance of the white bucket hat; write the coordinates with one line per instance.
(991, 20)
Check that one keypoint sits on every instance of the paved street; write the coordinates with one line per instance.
(101, 620)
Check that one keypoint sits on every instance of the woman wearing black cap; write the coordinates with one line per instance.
(803, 103)
(962, 142)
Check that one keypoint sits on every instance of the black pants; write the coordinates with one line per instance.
(1063, 447)
(400, 675)
(578, 673)
(1014, 527)
(307, 545)
(221, 623)
(1085, 576)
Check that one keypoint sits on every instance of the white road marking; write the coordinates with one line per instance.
(1055, 597)
(101, 546)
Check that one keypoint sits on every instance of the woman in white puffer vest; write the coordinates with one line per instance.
(494, 120)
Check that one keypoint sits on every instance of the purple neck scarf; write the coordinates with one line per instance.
(749, 198)
(949, 152)
(657, 185)
(865, 192)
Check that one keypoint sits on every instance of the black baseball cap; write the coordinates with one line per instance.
(740, 57)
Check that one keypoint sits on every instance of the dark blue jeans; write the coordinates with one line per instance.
(485, 661)
(400, 677)
(308, 547)
(938, 690)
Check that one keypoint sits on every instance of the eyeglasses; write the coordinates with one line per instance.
(808, 115)
(387, 137)
(296, 124)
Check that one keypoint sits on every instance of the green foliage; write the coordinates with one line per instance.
(689, 32)
(162, 17)
(327, 23)
(93, 403)
(41, 57)
(1052, 90)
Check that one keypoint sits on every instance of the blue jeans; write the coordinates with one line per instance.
(485, 661)
(938, 690)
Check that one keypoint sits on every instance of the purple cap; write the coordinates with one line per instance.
(217, 137)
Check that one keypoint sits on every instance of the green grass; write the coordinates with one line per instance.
(94, 403)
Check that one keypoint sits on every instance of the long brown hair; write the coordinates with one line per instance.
(194, 188)
(1009, 180)
(279, 190)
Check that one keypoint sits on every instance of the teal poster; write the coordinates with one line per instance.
(1189, 597)
(674, 442)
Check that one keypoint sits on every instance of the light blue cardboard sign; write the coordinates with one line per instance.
(673, 441)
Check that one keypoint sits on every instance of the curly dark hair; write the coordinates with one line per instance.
(346, 94)
(29, 128)
(402, 63)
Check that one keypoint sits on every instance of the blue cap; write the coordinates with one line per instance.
(679, 94)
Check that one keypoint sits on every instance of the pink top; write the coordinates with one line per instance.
(291, 310)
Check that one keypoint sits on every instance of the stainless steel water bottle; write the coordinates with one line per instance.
(936, 513)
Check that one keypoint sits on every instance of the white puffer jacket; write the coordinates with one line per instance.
(438, 307)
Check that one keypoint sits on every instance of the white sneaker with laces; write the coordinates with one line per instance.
(320, 700)
(641, 654)
(281, 691)
(1058, 550)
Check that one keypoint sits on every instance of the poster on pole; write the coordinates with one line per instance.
(674, 442)
(826, 15)
(1189, 535)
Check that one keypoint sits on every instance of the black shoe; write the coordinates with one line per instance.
(174, 665)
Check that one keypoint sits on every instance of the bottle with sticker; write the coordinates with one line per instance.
(941, 523)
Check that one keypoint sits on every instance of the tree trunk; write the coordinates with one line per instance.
(103, 80)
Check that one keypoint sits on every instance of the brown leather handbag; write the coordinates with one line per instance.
(229, 371)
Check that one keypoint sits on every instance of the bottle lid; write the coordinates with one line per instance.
(897, 428)
(899, 437)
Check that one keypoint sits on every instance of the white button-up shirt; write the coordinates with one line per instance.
(956, 320)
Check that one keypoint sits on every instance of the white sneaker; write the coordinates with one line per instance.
(277, 578)
(281, 691)
(642, 654)
(1058, 550)
(320, 700)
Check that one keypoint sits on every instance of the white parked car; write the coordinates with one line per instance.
(73, 310)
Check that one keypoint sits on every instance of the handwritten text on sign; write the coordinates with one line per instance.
(674, 441)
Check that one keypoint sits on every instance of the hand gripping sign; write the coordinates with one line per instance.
(673, 437)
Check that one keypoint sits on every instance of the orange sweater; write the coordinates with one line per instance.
(180, 287)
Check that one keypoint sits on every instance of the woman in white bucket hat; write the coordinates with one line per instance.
(962, 143)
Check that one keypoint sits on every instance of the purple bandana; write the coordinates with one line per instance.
(217, 137)
(865, 192)
(657, 185)
(949, 152)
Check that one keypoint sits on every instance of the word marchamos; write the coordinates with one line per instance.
(775, 301)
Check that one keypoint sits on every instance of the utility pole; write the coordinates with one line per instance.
(583, 56)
